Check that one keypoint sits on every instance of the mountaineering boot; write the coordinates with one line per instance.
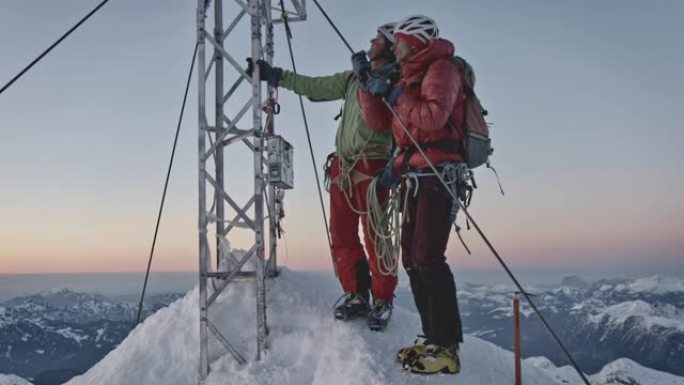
(379, 315)
(408, 352)
(435, 359)
(354, 305)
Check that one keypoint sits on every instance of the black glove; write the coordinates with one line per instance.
(386, 177)
(360, 65)
(271, 75)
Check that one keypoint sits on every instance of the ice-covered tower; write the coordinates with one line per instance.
(229, 140)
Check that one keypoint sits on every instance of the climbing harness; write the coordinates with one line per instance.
(386, 221)
(460, 184)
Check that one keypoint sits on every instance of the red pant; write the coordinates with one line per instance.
(348, 253)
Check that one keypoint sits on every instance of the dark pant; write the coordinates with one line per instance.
(424, 238)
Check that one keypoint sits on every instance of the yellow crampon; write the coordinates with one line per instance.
(434, 359)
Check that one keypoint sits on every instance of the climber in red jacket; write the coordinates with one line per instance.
(429, 101)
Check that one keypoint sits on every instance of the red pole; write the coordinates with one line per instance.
(516, 338)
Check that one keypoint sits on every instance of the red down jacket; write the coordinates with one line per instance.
(433, 96)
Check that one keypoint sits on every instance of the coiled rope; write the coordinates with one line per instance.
(384, 226)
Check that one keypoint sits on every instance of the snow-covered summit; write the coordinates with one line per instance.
(307, 346)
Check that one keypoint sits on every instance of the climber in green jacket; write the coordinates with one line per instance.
(359, 153)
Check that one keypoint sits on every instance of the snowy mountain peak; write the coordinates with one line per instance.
(653, 285)
(619, 372)
(626, 371)
(306, 345)
(648, 316)
(574, 281)
(57, 290)
(56, 298)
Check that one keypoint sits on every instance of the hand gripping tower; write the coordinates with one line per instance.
(228, 141)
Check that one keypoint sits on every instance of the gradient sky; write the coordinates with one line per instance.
(585, 97)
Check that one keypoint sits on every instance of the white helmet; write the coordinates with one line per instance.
(387, 30)
(418, 26)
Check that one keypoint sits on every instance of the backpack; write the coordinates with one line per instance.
(477, 146)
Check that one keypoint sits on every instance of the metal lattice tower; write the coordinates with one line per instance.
(219, 140)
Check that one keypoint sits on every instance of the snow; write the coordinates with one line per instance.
(480, 333)
(664, 315)
(507, 312)
(626, 371)
(70, 333)
(563, 375)
(11, 379)
(100, 332)
(306, 345)
(605, 287)
(654, 285)
(568, 291)
(619, 372)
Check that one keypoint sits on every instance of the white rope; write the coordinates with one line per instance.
(383, 223)
(384, 226)
(344, 180)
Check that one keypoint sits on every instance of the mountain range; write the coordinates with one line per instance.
(51, 336)
(615, 328)
(599, 322)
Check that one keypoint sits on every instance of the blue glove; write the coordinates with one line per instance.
(360, 65)
(386, 177)
(380, 87)
(267, 73)
(394, 95)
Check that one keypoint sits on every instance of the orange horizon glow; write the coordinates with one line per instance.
(319, 260)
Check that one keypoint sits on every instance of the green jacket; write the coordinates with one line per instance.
(353, 138)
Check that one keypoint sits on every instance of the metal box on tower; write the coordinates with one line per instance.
(280, 162)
